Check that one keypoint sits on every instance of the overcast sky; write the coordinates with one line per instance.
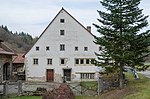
(32, 16)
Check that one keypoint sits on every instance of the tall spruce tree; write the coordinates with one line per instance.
(121, 38)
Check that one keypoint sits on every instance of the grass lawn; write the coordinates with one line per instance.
(27, 97)
(135, 89)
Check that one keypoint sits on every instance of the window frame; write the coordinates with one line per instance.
(62, 47)
(37, 48)
(49, 61)
(62, 20)
(47, 48)
(77, 61)
(81, 61)
(76, 48)
(85, 48)
(87, 75)
(62, 60)
(62, 32)
(100, 48)
(87, 61)
(35, 61)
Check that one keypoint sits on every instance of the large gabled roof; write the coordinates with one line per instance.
(55, 18)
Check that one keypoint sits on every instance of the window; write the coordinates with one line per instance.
(35, 61)
(62, 20)
(87, 61)
(62, 61)
(92, 61)
(49, 61)
(76, 48)
(37, 48)
(76, 61)
(62, 32)
(87, 75)
(81, 61)
(62, 47)
(85, 48)
(100, 48)
(84, 61)
(47, 48)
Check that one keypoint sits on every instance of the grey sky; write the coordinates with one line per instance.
(32, 16)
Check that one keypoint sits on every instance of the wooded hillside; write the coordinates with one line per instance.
(19, 42)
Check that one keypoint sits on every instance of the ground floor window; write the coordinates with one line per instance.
(87, 75)
(84, 61)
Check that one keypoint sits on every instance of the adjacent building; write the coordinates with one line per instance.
(6, 68)
(63, 52)
(18, 67)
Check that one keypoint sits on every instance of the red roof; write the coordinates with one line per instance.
(19, 58)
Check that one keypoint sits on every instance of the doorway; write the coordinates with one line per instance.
(6, 71)
(67, 74)
(50, 75)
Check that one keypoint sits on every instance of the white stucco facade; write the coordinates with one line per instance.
(78, 46)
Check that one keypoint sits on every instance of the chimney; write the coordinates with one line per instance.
(89, 28)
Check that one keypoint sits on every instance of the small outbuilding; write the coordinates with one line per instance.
(6, 55)
(18, 67)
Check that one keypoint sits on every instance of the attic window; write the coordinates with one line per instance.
(47, 48)
(62, 32)
(85, 48)
(100, 48)
(76, 48)
(62, 20)
(37, 48)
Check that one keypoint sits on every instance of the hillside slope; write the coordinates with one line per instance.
(18, 42)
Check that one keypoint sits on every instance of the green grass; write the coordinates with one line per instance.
(86, 97)
(92, 85)
(27, 97)
(135, 89)
(140, 88)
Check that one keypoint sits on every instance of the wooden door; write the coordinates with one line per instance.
(50, 75)
(67, 74)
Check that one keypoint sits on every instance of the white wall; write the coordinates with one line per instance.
(75, 35)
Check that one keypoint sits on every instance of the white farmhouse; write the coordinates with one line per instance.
(64, 51)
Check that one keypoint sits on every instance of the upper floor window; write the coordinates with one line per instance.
(62, 20)
(76, 61)
(49, 61)
(87, 61)
(47, 48)
(62, 61)
(84, 61)
(81, 61)
(76, 48)
(62, 32)
(85, 48)
(37, 48)
(100, 48)
(35, 61)
(62, 47)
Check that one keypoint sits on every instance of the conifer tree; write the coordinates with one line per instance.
(123, 42)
